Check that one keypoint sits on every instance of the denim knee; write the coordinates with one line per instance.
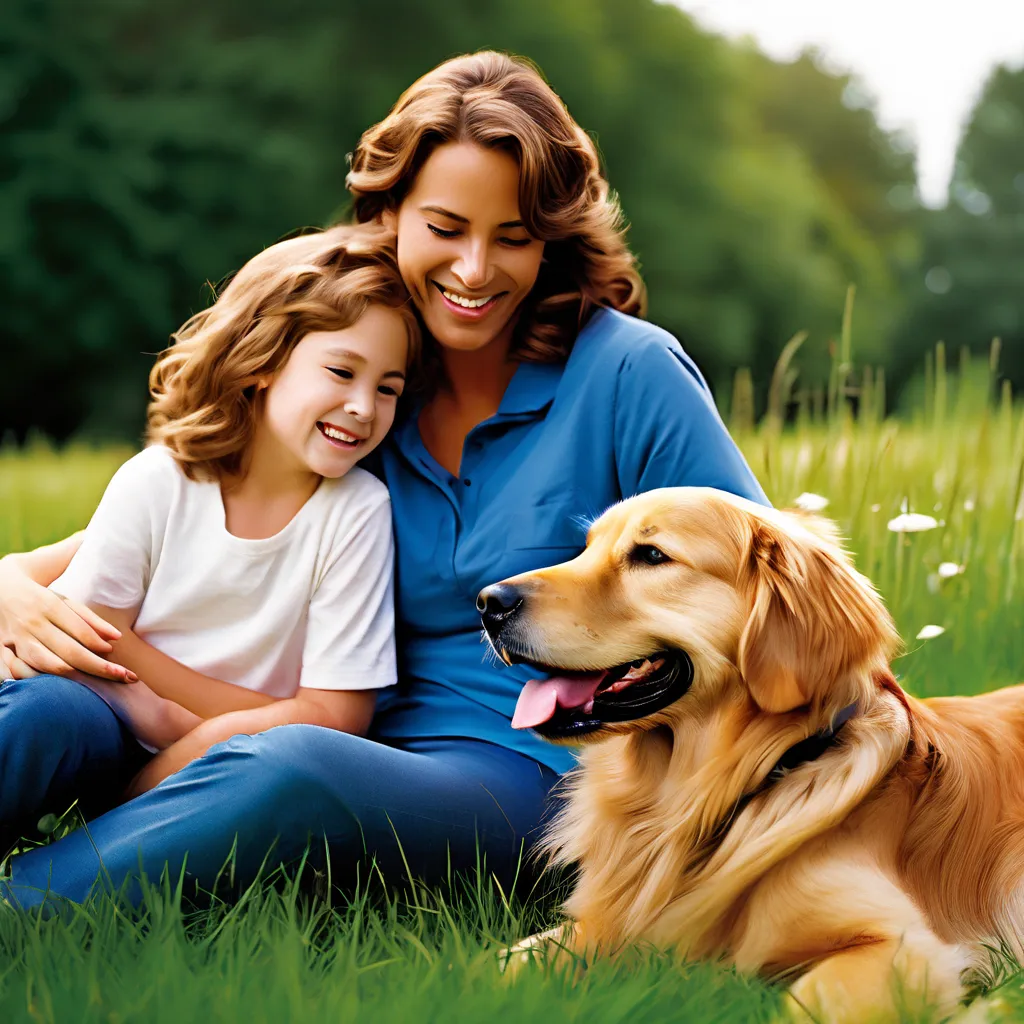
(51, 707)
(274, 773)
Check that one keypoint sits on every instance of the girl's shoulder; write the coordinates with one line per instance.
(154, 471)
(352, 509)
(356, 495)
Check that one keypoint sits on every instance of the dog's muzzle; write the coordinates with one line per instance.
(497, 605)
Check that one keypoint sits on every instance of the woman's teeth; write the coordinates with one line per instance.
(461, 300)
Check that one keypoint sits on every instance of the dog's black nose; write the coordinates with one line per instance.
(497, 603)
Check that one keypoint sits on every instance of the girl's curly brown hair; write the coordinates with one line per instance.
(205, 400)
(503, 102)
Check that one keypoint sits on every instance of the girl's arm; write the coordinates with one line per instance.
(350, 643)
(344, 710)
(42, 633)
(203, 695)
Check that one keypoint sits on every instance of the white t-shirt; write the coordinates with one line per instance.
(311, 606)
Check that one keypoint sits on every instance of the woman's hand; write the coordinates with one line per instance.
(41, 632)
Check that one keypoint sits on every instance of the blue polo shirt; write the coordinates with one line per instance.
(628, 412)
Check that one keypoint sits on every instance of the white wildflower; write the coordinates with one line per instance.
(947, 570)
(811, 502)
(876, 508)
(912, 522)
(930, 632)
(968, 504)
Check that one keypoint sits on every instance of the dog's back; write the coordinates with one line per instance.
(955, 810)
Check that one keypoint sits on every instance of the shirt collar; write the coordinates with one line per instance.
(531, 389)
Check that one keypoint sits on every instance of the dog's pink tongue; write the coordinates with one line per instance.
(541, 697)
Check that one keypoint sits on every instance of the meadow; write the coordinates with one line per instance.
(933, 506)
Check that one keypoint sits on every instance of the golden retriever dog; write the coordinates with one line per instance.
(754, 786)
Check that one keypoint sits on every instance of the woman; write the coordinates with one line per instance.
(550, 401)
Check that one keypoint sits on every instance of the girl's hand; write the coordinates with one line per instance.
(41, 632)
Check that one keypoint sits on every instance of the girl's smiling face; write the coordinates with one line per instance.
(334, 400)
(463, 251)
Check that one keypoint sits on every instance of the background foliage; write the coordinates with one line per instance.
(147, 148)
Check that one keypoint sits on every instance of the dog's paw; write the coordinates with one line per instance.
(985, 1010)
(541, 948)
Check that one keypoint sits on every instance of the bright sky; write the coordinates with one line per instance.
(925, 61)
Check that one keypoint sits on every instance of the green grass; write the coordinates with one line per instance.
(281, 955)
(277, 956)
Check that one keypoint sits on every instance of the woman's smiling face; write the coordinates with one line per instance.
(462, 249)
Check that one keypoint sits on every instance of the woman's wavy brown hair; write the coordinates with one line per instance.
(205, 400)
(503, 102)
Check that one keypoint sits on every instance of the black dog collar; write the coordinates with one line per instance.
(807, 750)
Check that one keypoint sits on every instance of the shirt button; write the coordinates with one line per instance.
(467, 482)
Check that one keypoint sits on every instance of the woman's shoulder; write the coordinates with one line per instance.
(614, 339)
(610, 333)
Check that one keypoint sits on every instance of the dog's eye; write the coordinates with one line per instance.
(648, 554)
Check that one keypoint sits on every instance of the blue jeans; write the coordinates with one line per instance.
(435, 804)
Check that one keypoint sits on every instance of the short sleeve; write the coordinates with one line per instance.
(114, 564)
(667, 430)
(350, 631)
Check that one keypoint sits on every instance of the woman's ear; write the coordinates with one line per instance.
(813, 619)
(389, 218)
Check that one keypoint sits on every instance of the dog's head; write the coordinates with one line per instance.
(686, 596)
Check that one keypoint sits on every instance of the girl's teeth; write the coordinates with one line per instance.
(466, 303)
(338, 435)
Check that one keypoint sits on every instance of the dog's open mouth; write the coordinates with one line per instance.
(572, 704)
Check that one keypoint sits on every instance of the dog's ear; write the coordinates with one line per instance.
(813, 618)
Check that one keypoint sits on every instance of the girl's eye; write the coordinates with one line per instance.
(389, 391)
(516, 243)
(339, 372)
(441, 232)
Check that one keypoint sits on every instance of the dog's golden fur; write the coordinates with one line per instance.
(870, 877)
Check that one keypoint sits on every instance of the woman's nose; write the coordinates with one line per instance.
(471, 268)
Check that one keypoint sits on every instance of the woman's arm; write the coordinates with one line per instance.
(43, 633)
(45, 564)
(344, 710)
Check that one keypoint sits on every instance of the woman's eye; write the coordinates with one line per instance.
(648, 554)
(339, 372)
(516, 243)
(441, 232)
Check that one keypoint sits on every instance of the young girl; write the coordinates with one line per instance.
(245, 561)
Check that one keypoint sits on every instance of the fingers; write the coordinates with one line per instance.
(15, 666)
(41, 660)
(88, 628)
(52, 645)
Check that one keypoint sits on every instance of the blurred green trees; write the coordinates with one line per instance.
(970, 284)
(148, 148)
